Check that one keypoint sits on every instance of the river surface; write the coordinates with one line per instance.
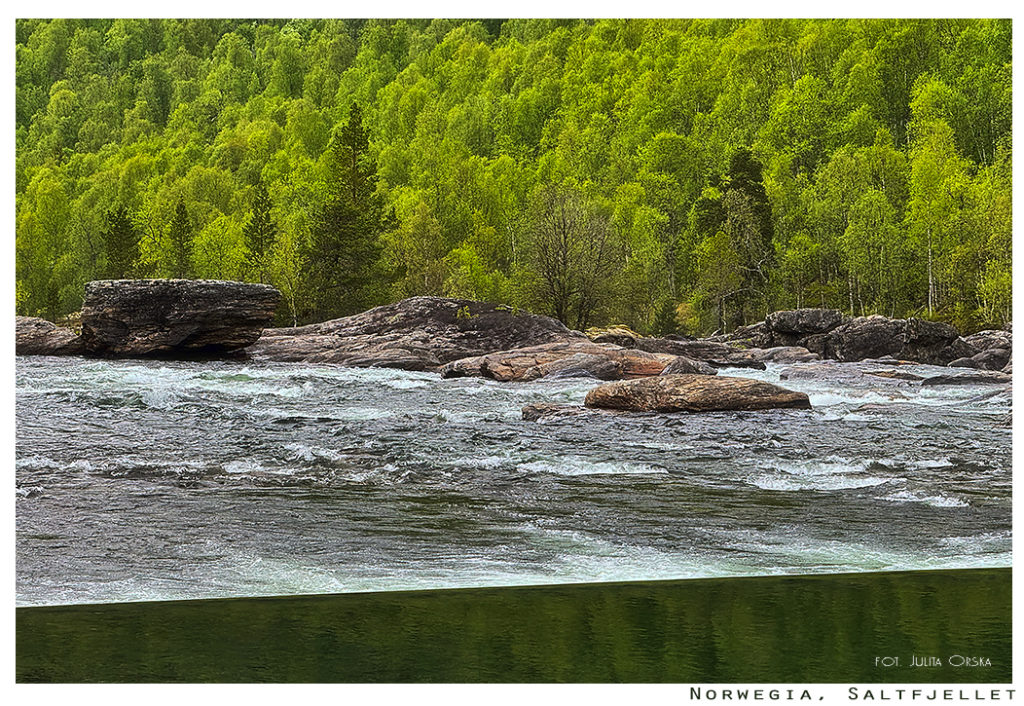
(141, 480)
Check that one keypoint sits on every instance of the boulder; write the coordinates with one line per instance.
(420, 333)
(35, 336)
(1008, 368)
(616, 335)
(752, 336)
(174, 317)
(694, 393)
(988, 359)
(688, 366)
(601, 360)
(877, 336)
(983, 340)
(804, 322)
(959, 348)
(718, 355)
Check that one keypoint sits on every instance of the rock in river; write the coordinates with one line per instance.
(173, 317)
(688, 366)
(35, 336)
(694, 393)
(574, 358)
(420, 333)
(980, 377)
(907, 339)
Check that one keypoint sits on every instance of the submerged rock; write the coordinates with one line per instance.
(694, 393)
(548, 410)
(783, 354)
(420, 333)
(894, 375)
(573, 358)
(981, 377)
(35, 336)
(173, 317)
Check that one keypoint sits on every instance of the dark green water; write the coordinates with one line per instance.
(827, 628)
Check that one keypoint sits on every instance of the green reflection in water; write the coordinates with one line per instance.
(761, 629)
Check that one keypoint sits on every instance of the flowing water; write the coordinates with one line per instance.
(150, 480)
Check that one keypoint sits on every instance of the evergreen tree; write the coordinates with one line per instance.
(345, 249)
(749, 225)
(260, 232)
(181, 235)
(122, 241)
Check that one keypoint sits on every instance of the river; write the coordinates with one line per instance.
(155, 480)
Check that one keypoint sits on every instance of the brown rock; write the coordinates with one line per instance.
(688, 366)
(601, 360)
(549, 410)
(420, 333)
(694, 393)
(719, 355)
(616, 335)
(35, 336)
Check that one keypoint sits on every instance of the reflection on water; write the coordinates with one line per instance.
(763, 629)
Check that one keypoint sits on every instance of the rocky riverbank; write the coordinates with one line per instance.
(464, 338)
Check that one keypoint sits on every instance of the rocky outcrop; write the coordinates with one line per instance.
(907, 339)
(420, 333)
(35, 336)
(174, 317)
(985, 350)
(829, 334)
(575, 358)
(694, 393)
(792, 327)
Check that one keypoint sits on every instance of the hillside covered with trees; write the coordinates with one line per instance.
(686, 175)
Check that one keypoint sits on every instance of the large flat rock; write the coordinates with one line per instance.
(174, 317)
(420, 333)
(578, 357)
(35, 336)
(694, 393)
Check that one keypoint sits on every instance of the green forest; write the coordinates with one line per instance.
(675, 176)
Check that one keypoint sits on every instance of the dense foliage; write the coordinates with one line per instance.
(662, 174)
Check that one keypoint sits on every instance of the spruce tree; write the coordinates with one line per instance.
(181, 242)
(260, 232)
(122, 241)
(345, 250)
